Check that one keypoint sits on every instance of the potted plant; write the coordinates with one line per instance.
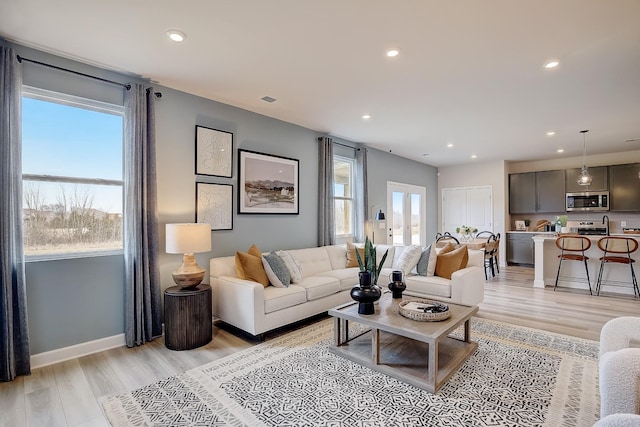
(562, 220)
(367, 292)
(369, 262)
(466, 231)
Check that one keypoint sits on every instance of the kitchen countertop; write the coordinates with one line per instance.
(554, 234)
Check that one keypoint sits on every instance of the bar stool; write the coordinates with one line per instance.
(618, 250)
(573, 247)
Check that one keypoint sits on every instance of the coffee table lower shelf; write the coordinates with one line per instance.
(406, 359)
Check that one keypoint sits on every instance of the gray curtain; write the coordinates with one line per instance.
(362, 198)
(143, 312)
(326, 217)
(14, 338)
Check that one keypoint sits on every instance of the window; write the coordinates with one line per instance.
(343, 168)
(72, 165)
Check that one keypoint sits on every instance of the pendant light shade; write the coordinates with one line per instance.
(585, 177)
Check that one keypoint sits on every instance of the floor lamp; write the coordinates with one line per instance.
(379, 217)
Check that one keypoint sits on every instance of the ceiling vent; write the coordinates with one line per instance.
(268, 99)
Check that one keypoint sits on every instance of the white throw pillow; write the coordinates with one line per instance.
(408, 259)
(294, 267)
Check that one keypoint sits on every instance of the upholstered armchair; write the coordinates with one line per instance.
(620, 372)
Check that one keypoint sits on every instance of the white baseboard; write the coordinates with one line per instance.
(61, 354)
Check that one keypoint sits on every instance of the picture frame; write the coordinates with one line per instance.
(267, 184)
(520, 226)
(214, 205)
(214, 152)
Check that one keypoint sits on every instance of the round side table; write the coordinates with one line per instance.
(188, 320)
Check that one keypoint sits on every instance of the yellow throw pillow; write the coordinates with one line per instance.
(451, 261)
(253, 250)
(352, 260)
(250, 267)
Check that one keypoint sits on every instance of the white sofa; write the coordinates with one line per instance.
(326, 283)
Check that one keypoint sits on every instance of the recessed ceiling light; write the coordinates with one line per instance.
(176, 36)
(450, 145)
(551, 133)
(551, 64)
(393, 53)
(560, 150)
(366, 116)
(473, 156)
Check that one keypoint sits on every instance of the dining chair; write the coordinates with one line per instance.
(617, 250)
(572, 248)
(490, 249)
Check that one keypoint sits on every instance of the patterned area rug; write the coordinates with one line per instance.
(517, 377)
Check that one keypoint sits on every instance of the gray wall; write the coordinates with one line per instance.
(79, 300)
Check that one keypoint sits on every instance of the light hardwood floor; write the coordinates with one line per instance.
(69, 393)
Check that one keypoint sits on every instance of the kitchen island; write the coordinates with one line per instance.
(615, 279)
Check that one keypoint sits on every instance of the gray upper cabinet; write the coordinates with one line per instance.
(522, 192)
(550, 191)
(624, 187)
(533, 192)
(600, 180)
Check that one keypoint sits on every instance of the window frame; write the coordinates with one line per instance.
(352, 162)
(87, 104)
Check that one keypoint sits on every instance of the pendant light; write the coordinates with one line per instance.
(585, 178)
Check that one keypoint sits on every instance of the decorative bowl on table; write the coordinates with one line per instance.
(424, 310)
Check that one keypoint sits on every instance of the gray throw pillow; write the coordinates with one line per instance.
(276, 270)
(423, 262)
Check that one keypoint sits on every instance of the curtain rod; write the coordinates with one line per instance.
(44, 64)
(343, 145)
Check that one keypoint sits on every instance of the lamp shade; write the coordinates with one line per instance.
(380, 216)
(188, 238)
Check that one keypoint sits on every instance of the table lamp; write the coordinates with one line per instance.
(188, 239)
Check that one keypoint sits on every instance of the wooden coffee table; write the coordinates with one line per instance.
(419, 353)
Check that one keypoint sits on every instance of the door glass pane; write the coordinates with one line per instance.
(398, 218)
(415, 219)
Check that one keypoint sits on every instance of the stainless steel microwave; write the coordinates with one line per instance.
(588, 201)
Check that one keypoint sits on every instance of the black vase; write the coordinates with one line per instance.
(397, 285)
(366, 294)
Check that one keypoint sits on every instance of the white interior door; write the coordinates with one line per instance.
(407, 207)
(471, 206)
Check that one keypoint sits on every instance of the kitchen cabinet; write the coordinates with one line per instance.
(522, 192)
(600, 180)
(520, 248)
(533, 192)
(624, 187)
(550, 191)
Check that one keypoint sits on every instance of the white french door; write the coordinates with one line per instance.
(407, 219)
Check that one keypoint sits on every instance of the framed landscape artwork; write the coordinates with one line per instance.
(214, 205)
(214, 152)
(267, 184)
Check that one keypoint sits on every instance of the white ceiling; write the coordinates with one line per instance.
(469, 72)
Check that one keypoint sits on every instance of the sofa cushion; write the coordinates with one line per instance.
(452, 261)
(408, 259)
(276, 270)
(320, 286)
(295, 270)
(422, 285)
(250, 267)
(312, 260)
(337, 255)
(348, 277)
(352, 258)
(278, 298)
